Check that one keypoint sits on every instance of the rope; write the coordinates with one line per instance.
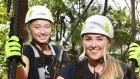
(16, 18)
(14, 30)
(13, 69)
(133, 36)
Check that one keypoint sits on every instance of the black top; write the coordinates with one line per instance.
(33, 69)
(80, 70)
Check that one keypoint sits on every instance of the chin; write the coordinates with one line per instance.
(95, 58)
(42, 41)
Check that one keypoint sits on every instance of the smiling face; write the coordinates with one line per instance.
(95, 45)
(41, 30)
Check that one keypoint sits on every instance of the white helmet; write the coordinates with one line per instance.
(98, 24)
(38, 12)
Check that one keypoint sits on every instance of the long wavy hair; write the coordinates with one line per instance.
(112, 69)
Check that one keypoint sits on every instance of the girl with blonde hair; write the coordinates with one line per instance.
(95, 62)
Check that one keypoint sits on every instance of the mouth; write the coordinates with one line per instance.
(94, 51)
(43, 37)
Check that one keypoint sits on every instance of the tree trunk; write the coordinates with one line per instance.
(23, 8)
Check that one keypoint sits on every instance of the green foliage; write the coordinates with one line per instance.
(3, 38)
(3, 14)
(120, 19)
(4, 26)
(3, 35)
(121, 22)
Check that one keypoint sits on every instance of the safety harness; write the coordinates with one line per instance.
(41, 68)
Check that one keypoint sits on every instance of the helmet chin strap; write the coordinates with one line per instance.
(101, 60)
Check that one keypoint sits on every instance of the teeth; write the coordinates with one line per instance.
(94, 50)
(42, 38)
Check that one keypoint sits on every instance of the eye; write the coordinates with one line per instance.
(47, 26)
(36, 26)
(88, 39)
(100, 38)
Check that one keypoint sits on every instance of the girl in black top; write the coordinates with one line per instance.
(39, 22)
(95, 62)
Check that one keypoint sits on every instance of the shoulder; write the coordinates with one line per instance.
(28, 51)
(71, 65)
(54, 48)
(68, 71)
(76, 63)
(26, 47)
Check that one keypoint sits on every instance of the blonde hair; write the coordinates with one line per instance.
(112, 69)
(28, 33)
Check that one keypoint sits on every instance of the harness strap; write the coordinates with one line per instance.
(41, 69)
(35, 51)
(54, 50)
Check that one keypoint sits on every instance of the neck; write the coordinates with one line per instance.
(95, 66)
(94, 63)
(42, 46)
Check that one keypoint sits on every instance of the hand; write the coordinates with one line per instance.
(134, 53)
(12, 49)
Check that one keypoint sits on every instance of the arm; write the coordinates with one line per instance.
(59, 77)
(13, 49)
(22, 72)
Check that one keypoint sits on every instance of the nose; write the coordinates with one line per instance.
(93, 43)
(42, 31)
